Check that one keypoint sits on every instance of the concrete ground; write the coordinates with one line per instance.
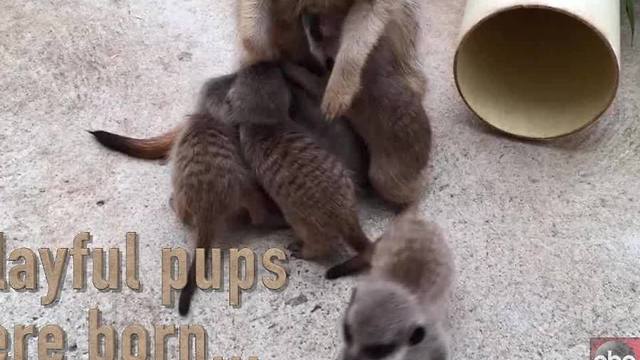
(546, 235)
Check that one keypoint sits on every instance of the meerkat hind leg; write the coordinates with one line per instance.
(262, 211)
(311, 244)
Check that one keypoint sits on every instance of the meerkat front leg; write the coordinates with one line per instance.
(362, 28)
(255, 29)
(313, 84)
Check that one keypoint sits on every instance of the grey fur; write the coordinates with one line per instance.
(407, 289)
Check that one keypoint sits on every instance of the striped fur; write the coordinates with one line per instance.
(210, 185)
(310, 185)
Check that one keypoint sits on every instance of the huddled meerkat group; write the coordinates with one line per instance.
(327, 103)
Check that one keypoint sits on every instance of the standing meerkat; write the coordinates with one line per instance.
(388, 115)
(270, 30)
(211, 185)
(399, 309)
(310, 185)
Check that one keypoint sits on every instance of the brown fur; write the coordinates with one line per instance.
(211, 185)
(389, 116)
(410, 251)
(311, 186)
(337, 137)
(270, 29)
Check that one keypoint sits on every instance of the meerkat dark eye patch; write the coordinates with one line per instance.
(417, 336)
(348, 338)
(379, 351)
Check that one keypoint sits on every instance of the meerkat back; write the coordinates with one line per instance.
(415, 253)
(206, 167)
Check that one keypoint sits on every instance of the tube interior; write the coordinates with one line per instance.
(536, 72)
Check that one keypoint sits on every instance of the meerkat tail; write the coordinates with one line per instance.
(353, 266)
(206, 231)
(186, 294)
(156, 147)
(357, 264)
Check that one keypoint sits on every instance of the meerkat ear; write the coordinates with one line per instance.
(228, 99)
(417, 336)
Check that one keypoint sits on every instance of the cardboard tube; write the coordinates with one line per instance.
(539, 69)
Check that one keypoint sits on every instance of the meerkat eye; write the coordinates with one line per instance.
(379, 351)
(417, 336)
(347, 333)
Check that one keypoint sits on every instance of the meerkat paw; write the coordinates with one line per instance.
(295, 248)
(304, 251)
(338, 97)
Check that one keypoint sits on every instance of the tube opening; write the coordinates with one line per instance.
(536, 72)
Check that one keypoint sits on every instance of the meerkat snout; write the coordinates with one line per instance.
(398, 330)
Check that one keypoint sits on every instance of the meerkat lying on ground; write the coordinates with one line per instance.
(270, 30)
(388, 114)
(310, 185)
(399, 309)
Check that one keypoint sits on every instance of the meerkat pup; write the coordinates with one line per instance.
(388, 115)
(269, 30)
(211, 185)
(399, 309)
(310, 185)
